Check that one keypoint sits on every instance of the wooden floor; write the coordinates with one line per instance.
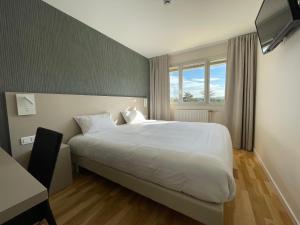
(92, 200)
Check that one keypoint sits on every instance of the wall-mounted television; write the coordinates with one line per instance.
(276, 18)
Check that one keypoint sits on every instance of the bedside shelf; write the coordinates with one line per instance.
(62, 176)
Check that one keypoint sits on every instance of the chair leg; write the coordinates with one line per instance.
(48, 214)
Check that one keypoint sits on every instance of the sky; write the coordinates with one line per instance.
(193, 81)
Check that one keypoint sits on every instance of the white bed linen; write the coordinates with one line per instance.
(193, 158)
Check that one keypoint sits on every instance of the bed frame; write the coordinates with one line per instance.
(60, 119)
(204, 212)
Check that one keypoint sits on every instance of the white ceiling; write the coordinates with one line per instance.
(151, 28)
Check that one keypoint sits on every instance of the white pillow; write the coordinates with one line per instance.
(94, 123)
(133, 116)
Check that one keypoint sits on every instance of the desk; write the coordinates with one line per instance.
(19, 190)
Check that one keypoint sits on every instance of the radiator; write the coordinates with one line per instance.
(192, 115)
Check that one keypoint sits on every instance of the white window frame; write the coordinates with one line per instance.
(206, 63)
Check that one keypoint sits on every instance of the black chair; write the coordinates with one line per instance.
(44, 155)
(41, 165)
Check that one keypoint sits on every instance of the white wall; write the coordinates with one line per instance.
(277, 133)
(211, 52)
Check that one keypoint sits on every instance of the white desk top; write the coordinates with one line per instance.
(19, 190)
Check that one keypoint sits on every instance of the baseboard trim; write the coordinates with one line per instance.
(282, 198)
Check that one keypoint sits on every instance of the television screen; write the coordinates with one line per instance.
(273, 18)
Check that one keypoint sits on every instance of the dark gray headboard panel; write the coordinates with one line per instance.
(44, 50)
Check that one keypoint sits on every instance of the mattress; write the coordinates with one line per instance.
(188, 157)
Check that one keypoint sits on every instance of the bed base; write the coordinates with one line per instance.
(204, 212)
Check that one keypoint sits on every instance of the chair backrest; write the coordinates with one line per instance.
(44, 155)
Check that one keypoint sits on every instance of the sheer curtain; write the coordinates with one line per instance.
(240, 90)
(159, 88)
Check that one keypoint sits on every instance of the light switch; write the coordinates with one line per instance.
(27, 140)
(145, 102)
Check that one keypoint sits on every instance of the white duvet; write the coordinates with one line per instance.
(192, 158)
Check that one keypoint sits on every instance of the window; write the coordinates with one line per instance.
(193, 87)
(200, 83)
(217, 83)
(174, 84)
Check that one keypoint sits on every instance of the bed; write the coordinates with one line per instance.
(186, 166)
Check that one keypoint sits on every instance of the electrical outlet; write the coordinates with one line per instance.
(27, 140)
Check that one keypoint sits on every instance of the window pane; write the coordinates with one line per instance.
(174, 85)
(193, 85)
(217, 83)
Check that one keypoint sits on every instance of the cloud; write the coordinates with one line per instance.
(198, 80)
(219, 90)
(174, 80)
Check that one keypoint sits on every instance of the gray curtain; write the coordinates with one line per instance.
(240, 90)
(159, 88)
